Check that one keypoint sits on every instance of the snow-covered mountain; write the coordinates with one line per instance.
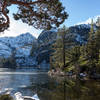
(20, 47)
(88, 21)
(19, 41)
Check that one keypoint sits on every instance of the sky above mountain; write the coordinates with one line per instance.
(80, 11)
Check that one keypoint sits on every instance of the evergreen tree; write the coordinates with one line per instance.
(97, 41)
(90, 56)
(42, 14)
(91, 51)
(5, 97)
(73, 56)
(60, 47)
(33, 49)
(59, 53)
(11, 61)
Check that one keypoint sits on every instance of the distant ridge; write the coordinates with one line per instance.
(88, 21)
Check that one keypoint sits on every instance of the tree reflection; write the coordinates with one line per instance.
(67, 89)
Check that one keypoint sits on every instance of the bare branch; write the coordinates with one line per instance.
(26, 3)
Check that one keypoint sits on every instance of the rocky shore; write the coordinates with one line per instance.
(82, 76)
(7, 95)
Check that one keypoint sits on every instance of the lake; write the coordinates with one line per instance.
(30, 81)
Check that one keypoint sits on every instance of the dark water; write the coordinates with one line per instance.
(31, 81)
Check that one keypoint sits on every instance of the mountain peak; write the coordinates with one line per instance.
(88, 21)
(26, 35)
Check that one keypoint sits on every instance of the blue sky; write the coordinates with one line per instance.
(78, 10)
(81, 10)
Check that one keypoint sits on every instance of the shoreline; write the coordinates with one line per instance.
(81, 76)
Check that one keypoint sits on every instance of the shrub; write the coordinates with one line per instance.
(6, 97)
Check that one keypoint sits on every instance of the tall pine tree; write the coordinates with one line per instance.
(59, 47)
(73, 56)
(91, 51)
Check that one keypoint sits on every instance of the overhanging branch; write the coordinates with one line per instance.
(5, 14)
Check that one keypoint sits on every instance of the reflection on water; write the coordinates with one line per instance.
(30, 81)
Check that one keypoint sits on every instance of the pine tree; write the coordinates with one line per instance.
(97, 40)
(60, 47)
(41, 14)
(73, 56)
(58, 56)
(91, 51)
(33, 49)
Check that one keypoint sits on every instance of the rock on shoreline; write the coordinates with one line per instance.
(6, 95)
